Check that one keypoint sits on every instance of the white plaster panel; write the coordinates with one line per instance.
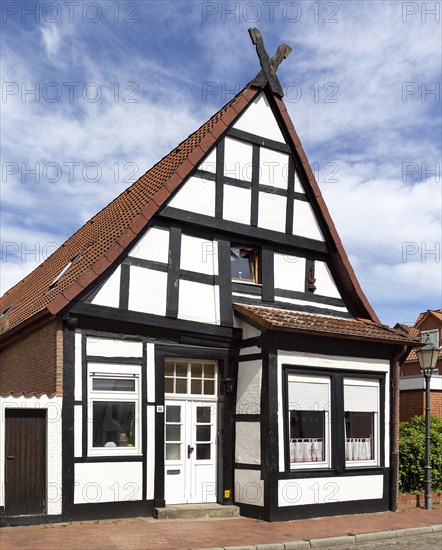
(248, 392)
(249, 351)
(78, 430)
(299, 492)
(107, 347)
(153, 246)
(150, 436)
(314, 304)
(249, 487)
(237, 204)
(196, 195)
(150, 372)
(273, 168)
(238, 159)
(248, 443)
(109, 294)
(304, 221)
(200, 255)
(107, 482)
(198, 302)
(147, 290)
(298, 185)
(209, 163)
(247, 330)
(77, 367)
(272, 211)
(53, 405)
(325, 285)
(258, 119)
(289, 272)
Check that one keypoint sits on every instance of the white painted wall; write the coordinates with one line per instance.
(108, 482)
(248, 392)
(109, 294)
(108, 347)
(237, 204)
(323, 490)
(248, 443)
(273, 168)
(147, 290)
(196, 195)
(247, 330)
(150, 435)
(153, 246)
(314, 304)
(150, 367)
(258, 119)
(249, 487)
(325, 285)
(418, 383)
(53, 405)
(272, 211)
(198, 302)
(200, 255)
(209, 163)
(238, 159)
(298, 185)
(289, 272)
(304, 221)
(78, 430)
(78, 388)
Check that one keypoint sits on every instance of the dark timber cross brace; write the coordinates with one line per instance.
(269, 66)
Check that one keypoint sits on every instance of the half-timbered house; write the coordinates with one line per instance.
(202, 339)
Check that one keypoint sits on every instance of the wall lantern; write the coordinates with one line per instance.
(229, 385)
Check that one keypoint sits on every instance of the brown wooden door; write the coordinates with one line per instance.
(25, 459)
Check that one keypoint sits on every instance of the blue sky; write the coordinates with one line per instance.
(118, 84)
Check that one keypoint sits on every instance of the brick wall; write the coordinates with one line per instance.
(412, 403)
(33, 361)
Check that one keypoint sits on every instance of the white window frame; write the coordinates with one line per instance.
(351, 381)
(120, 371)
(430, 332)
(189, 395)
(320, 379)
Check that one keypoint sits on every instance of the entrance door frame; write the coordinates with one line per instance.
(227, 366)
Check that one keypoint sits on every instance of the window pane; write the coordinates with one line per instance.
(197, 386)
(181, 369)
(181, 385)
(203, 451)
(113, 424)
(197, 370)
(173, 432)
(168, 385)
(209, 371)
(203, 433)
(173, 413)
(359, 433)
(241, 264)
(209, 387)
(113, 384)
(203, 414)
(173, 451)
(169, 369)
(307, 436)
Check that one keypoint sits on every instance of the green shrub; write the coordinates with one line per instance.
(412, 454)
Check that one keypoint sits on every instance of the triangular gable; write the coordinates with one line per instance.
(103, 239)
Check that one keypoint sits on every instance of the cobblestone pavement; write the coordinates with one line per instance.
(419, 542)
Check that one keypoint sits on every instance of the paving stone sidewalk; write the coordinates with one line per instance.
(150, 534)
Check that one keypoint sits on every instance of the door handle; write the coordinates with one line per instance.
(10, 457)
(189, 450)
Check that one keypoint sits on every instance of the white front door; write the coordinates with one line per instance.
(190, 451)
(191, 401)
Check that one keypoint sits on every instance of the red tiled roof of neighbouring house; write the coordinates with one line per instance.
(293, 321)
(108, 234)
(416, 333)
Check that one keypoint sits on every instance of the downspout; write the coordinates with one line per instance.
(394, 463)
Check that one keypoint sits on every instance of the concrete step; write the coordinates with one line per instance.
(192, 511)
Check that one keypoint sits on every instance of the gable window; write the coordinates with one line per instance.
(244, 262)
(433, 336)
(114, 421)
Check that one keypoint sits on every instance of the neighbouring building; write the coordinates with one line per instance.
(203, 338)
(412, 383)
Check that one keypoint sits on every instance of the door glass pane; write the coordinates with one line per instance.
(173, 432)
(181, 385)
(209, 371)
(197, 370)
(203, 433)
(203, 414)
(181, 369)
(203, 451)
(173, 413)
(209, 387)
(113, 384)
(197, 386)
(173, 451)
(168, 385)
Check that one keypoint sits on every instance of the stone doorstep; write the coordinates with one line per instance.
(194, 511)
